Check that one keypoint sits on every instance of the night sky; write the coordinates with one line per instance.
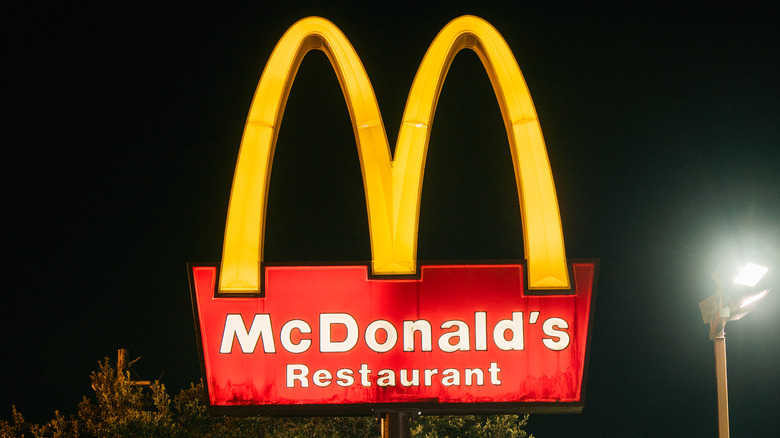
(662, 127)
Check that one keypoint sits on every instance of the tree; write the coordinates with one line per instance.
(121, 408)
(471, 426)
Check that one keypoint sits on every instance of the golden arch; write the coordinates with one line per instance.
(392, 187)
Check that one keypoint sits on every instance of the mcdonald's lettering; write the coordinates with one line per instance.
(393, 333)
(382, 336)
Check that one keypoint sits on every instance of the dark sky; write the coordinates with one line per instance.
(662, 126)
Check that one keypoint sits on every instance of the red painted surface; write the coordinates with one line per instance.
(536, 373)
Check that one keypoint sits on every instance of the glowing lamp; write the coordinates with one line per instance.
(750, 275)
(747, 301)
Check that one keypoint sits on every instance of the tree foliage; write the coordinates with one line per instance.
(121, 408)
(471, 426)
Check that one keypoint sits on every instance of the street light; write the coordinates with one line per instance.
(736, 296)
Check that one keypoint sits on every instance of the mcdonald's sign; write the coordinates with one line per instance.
(393, 334)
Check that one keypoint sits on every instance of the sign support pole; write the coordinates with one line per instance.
(396, 424)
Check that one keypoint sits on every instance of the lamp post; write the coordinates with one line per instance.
(735, 297)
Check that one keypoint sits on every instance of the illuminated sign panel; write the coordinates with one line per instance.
(351, 339)
(329, 334)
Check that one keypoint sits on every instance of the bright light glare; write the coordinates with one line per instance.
(753, 298)
(750, 275)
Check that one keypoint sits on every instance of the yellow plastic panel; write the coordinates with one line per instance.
(393, 188)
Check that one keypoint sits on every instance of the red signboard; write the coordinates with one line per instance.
(331, 339)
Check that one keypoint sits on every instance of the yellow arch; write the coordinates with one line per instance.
(393, 188)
